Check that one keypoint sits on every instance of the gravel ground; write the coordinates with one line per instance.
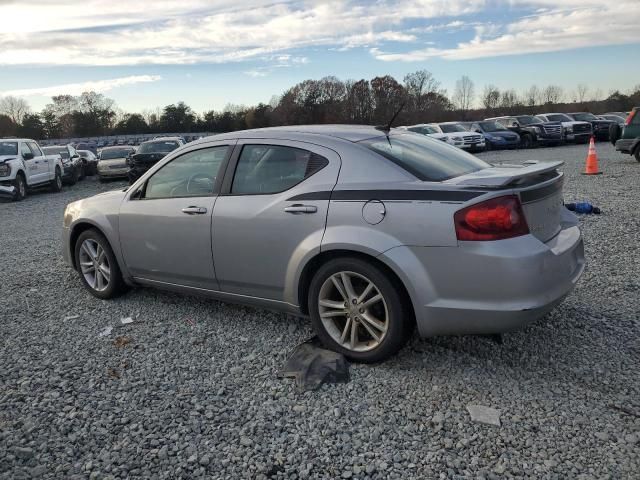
(190, 389)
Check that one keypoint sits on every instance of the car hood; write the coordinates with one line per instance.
(460, 134)
(574, 122)
(503, 134)
(107, 161)
(7, 158)
(148, 157)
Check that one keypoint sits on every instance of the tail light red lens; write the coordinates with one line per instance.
(630, 117)
(494, 219)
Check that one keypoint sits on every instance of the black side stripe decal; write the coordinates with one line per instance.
(366, 195)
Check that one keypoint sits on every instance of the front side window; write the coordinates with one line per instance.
(35, 149)
(266, 169)
(427, 159)
(192, 174)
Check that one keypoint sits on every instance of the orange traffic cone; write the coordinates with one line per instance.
(591, 167)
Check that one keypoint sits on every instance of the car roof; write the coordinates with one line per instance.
(117, 147)
(351, 133)
(163, 139)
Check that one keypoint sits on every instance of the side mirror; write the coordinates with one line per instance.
(515, 124)
(27, 156)
(75, 156)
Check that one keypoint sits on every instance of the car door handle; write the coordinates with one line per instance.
(301, 209)
(194, 210)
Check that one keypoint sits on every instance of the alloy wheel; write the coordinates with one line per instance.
(94, 264)
(22, 188)
(353, 311)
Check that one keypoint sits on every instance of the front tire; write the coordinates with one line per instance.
(527, 141)
(97, 265)
(21, 187)
(637, 153)
(75, 175)
(357, 311)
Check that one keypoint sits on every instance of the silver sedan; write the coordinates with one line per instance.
(368, 232)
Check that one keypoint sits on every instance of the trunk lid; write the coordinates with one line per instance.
(539, 186)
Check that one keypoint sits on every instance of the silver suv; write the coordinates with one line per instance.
(367, 231)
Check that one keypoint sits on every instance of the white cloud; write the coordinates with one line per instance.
(78, 88)
(116, 32)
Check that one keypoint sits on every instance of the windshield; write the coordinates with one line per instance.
(8, 148)
(62, 151)
(559, 117)
(158, 147)
(452, 128)
(528, 120)
(491, 126)
(115, 153)
(424, 130)
(426, 158)
(584, 117)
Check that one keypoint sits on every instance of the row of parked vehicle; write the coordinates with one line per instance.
(25, 165)
(523, 131)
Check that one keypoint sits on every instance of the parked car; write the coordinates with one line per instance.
(367, 231)
(600, 127)
(573, 131)
(452, 133)
(619, 114)
(627, 139)
(91, 146)
(614, 118)
(496, 136)
(73, 166)
(112, 162)
(24, 166)
(89, 162)
(532, 130)
(149, 153)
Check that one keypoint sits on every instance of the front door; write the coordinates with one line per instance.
(165, 228)
(41, 162)
(273, 209)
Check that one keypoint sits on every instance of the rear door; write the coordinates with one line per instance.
(165, 224)
(271, 212)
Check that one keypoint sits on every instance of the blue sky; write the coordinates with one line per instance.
(211, 53)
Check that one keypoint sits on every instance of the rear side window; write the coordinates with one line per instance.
(264, 169)
(424, 157)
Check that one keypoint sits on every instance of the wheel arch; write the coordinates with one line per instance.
(76, 231)
(312, 266)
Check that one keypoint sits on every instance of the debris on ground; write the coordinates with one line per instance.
(106, 332)
(190, 322)
(583, 207)
(126, 321)
(122, 341)
(486, 415)
(311, 366)
(71, 317)
(113, 373)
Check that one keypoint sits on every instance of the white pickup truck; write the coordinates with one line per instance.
(24, 166)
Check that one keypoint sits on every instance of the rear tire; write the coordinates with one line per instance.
(382, 325)
(614, 133)
(95, 260)
(21, 187)
(75, 175)
(83, 173)
(56, 183)
(637, 153)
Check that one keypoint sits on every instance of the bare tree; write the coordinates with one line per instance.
(596, 95)
(13, 107)
(463, 94)
(509, 99)
(490, 97)
(552, 94)
(581, 93)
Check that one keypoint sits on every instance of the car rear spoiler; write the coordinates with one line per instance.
(504, 175)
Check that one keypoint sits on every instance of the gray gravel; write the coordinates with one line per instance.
(190, 388)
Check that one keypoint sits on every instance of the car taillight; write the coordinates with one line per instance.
(494, 219)
(630, 117)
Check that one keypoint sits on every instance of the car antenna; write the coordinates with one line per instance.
(387, 128)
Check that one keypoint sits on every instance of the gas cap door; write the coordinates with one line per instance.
(373, 212)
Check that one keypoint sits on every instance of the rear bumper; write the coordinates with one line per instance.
(489, 287)
(624, 145)
(113, 172)
(7, 191)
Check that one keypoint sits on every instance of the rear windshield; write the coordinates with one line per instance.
(115, 153)
(426, 158)
(8, 148)
(158, 147)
